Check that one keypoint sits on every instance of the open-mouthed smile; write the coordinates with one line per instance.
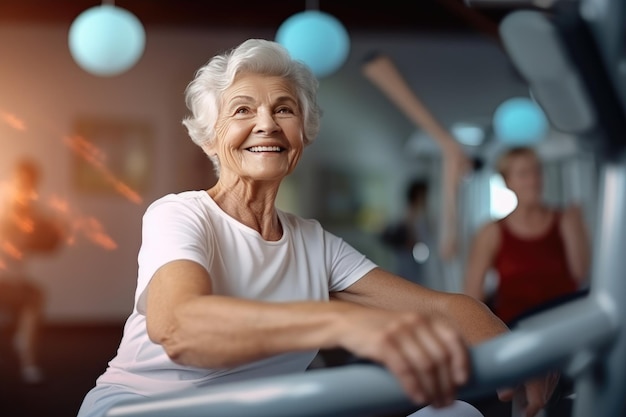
(265, 149)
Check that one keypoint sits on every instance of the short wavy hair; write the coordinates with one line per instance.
(203, 94)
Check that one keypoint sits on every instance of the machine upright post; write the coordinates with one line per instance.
(600, 386)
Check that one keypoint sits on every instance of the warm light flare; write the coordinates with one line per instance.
(87, 150)
(9, 192)
(58, 204)
(94, 231)
(24, 223)
(10, 249)
(88, 226)
(74, 224)
(127, 192)
(13, 121)
(97, 158)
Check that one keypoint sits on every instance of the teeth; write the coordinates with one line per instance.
(264, 149)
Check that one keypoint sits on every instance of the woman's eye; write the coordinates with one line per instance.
(242, 110)
(284, 110)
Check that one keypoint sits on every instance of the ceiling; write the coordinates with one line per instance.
(385, 15)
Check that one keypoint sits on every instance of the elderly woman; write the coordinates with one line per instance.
(231, 288)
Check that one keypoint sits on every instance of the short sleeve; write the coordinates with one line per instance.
(347, 265)
(173, 228)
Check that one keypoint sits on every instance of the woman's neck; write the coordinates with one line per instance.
(250, 205)
(530, 220)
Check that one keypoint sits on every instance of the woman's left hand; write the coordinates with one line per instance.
(533, 395)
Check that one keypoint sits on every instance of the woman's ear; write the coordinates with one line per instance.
(209, 149)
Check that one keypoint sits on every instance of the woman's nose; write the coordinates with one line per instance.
(265, 122)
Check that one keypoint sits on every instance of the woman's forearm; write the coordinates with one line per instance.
(473, 318)
(215, 331)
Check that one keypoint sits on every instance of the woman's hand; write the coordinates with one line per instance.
(533, 395)
(428, 356)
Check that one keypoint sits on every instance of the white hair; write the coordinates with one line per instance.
(258, 56)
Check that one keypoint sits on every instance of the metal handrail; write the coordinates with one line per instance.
(357, 390)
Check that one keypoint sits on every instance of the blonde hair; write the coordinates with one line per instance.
(504, 160)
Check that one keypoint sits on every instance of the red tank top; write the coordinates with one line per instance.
(532, 271)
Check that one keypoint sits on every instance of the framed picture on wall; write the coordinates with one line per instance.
(112, 156)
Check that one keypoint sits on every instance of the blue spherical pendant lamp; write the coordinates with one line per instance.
(318, 39)
(520, 121)
(106, 40)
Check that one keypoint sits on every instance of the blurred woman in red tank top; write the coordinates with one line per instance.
(541, 254)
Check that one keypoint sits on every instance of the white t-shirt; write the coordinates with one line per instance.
(305, 264)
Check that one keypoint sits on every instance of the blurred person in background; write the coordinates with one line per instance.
(541, 254)
(26, 229)
(410, 239)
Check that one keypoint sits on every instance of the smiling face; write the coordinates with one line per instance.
(259, 131)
